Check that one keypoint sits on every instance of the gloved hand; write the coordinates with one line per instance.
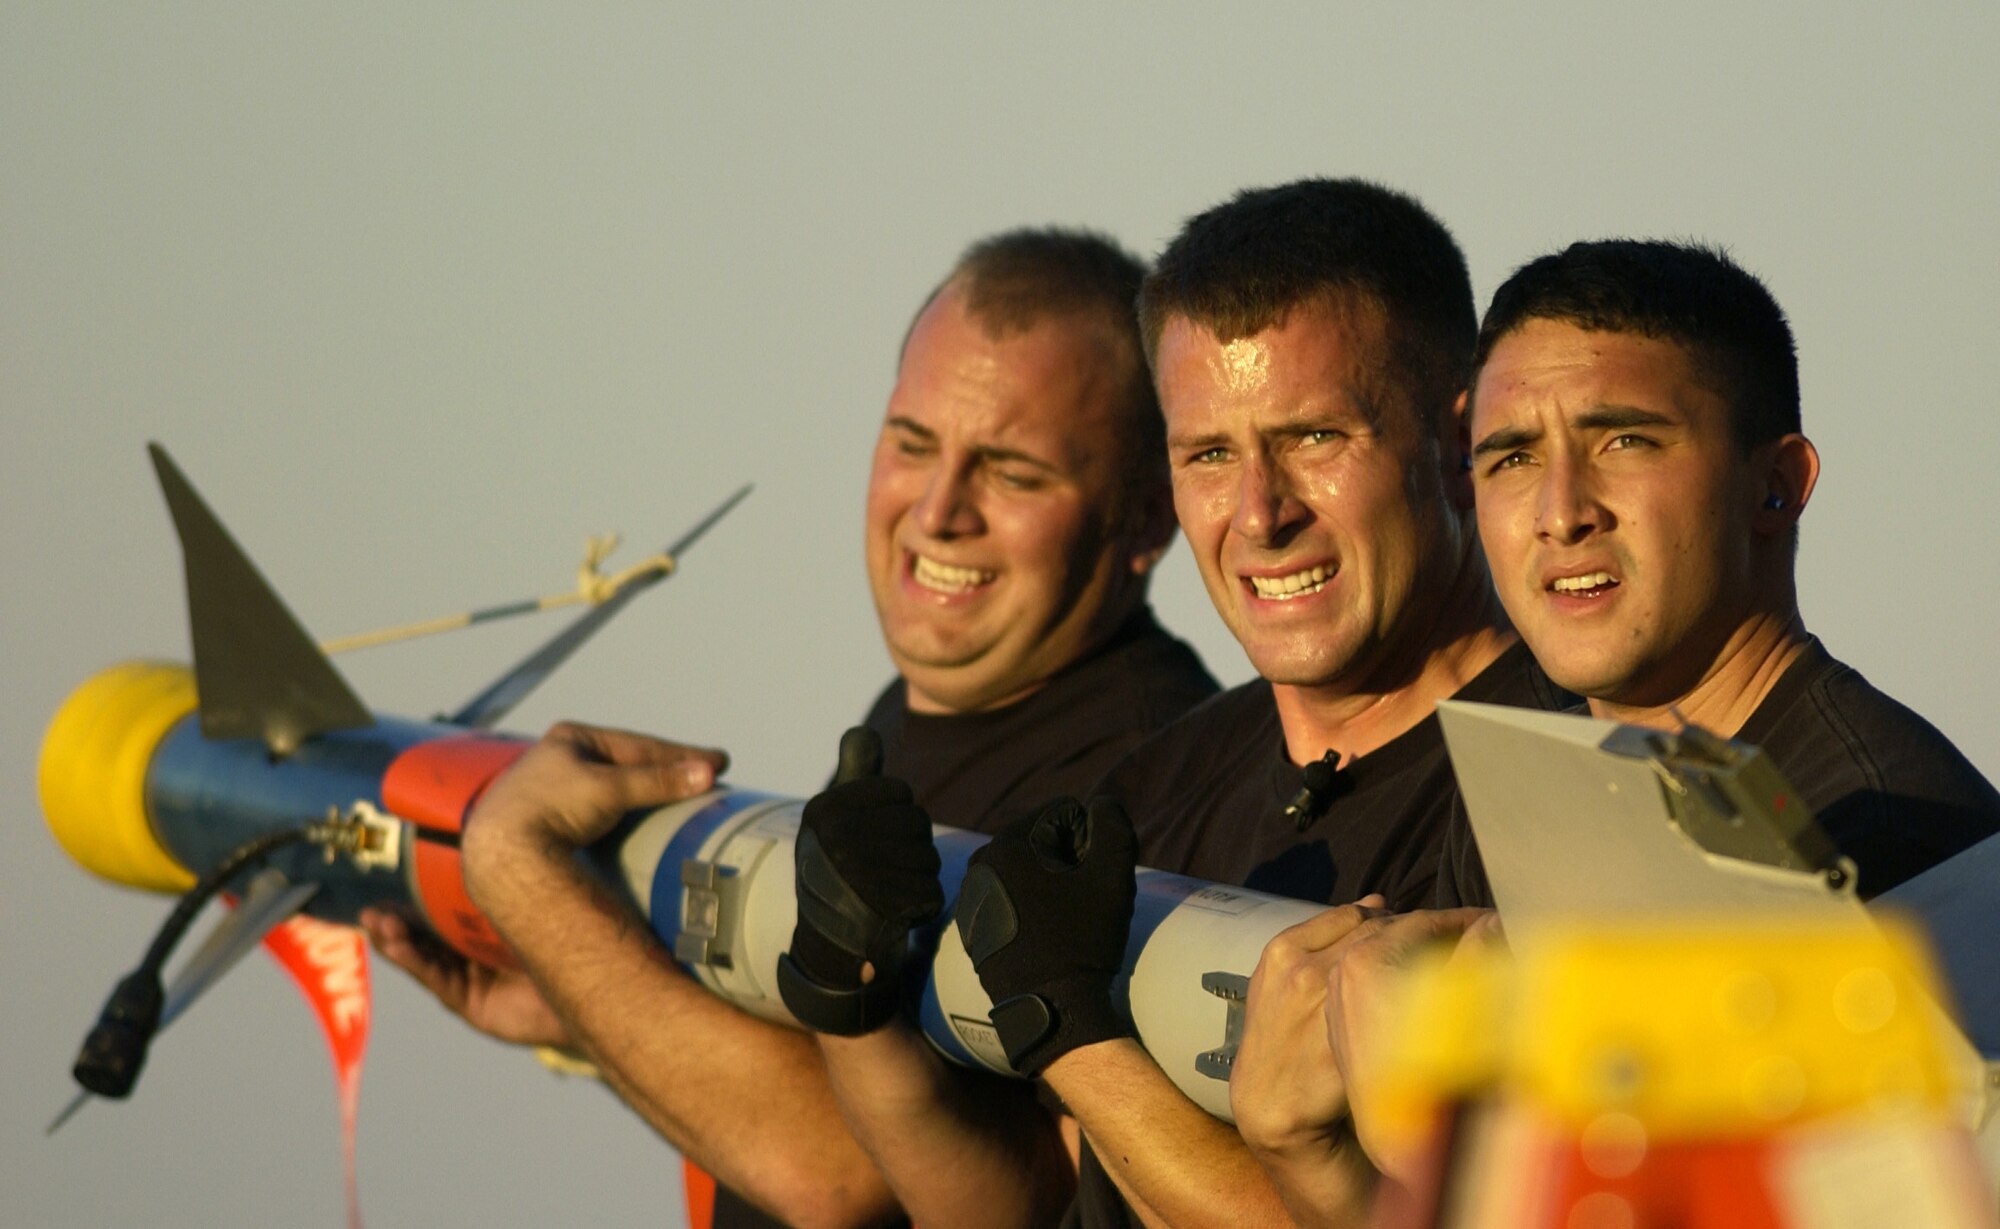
(1044, 913)
(867, 874)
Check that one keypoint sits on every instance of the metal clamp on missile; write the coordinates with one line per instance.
(706, 912)
(1233, 989)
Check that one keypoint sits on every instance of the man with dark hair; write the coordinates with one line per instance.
(1640, 476)
(1309, 344)
(1015, 511)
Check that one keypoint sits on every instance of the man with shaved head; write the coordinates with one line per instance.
(1015, 508)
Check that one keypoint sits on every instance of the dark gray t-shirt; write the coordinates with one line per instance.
(1207, 796)
(981, 770)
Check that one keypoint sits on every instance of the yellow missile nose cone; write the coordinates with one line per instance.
(92, 773)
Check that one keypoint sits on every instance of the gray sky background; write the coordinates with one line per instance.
(419, 295)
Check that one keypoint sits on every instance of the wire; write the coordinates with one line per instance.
(592, 587)
(115, 1049)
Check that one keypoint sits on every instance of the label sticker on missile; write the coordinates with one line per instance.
(1222, 900)
(980, 1037)
(1196, 893)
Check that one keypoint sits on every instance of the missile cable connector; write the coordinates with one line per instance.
(115, 1050)
(364, 835)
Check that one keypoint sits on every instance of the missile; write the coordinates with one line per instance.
(154, 775)
(714, 876)
(138, 795)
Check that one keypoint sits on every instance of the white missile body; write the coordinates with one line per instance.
(714, 876)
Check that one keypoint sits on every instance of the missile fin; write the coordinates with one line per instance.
(257, 672)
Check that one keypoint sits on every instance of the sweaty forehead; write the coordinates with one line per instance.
(1316, 357)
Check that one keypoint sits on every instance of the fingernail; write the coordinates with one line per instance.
(698, 775)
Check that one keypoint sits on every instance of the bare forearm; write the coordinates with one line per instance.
(745, 1099)
(959, 1149)
(1178, 1165)
(1330, 1185)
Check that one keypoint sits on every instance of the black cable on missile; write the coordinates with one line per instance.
(115, 1050)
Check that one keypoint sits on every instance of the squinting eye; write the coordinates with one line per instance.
(1209, 456)
(1629, 440)
(1014, 481)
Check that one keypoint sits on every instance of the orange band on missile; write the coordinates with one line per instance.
(92, 772)
(440, 888)
(433, 785)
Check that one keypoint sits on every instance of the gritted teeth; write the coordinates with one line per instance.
(1588, 580)
(1310, 580)
(944, 577)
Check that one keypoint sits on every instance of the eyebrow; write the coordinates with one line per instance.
(1202, 442)
(1614, 416)
(1333, 417)
(1597, 418)
(1506, 439)
(985, 452)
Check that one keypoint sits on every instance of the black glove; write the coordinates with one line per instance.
(1044, 913)
(867, 874)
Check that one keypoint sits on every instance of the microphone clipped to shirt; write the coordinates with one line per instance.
(1319, 783)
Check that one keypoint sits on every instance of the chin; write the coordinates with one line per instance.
(923, 654)
(1593, 680)
(1292, 670)
(961, 694)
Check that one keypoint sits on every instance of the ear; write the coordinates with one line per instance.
(1455, 452)
(1151, 528)
(1790, 470)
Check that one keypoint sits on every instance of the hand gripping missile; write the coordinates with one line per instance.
(714, 876)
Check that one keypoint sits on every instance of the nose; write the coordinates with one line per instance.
(1568, 510)
(1266, 508)
(948, 507)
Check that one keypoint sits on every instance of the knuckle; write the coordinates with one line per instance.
(1285, 948)
(1371, 932)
